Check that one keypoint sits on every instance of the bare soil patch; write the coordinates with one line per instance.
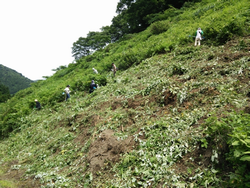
(107, 148)
(17, 176)
(200, 158)
(137, 101)
(117, 104)
(169, 98)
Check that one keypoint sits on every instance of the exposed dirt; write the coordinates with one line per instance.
(14, 176)
(169, 98)
(199, 158)
(107, 148)
(228, 57)
(136, 102)
(117, 104)
(247, 109)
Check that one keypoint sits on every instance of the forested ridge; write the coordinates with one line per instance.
(13, 80)
(174, 115)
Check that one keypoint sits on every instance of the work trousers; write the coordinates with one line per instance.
(197, 40)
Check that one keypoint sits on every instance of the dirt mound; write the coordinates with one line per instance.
(107, 148)
(169, 98)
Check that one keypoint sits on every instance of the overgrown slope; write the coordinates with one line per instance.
(175, 115)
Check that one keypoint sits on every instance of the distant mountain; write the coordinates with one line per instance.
(13, 80)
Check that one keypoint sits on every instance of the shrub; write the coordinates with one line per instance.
(127, 60)
(218, 36)
(159, 27)
(233, 130)
(63, 72)
(78, 85)
(101, 80)
(233, 28)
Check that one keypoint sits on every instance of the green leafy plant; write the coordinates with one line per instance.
(159, 27)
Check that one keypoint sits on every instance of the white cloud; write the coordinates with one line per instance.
(36, 36)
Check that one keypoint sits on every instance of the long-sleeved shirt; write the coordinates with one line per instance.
(67, 90)
(95, 71)
(199, 32)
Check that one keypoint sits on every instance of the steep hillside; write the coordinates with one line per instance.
(13, 80)
(4, 93)
(175, 115)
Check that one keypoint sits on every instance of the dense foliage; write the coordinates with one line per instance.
(133, 17)
(234, 132)
(4, 93)
(13, 80)
(179, 113)
(136, 14)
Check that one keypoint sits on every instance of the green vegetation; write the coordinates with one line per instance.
(175, 115)
(6, 184)
(13, 80)
(133, 17)
(4, 93)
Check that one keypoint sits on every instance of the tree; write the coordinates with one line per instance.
(119, 27)
(133, 14)
(94, 41)
(80, 48)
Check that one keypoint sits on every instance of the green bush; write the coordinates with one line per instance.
(78, 86)
(228, 32)
(233, 130)
(84, 85)
(218, 36)
(57, 96)
(159, 27)
(127, 60)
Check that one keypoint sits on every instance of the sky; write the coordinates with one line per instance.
(36, 36)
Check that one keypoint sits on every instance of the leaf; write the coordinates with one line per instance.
(245, 158)
(206, 183)
(247, 141)
(214, 171)
(244, 141)
(91, 177)
(237, 153)
(235, 143)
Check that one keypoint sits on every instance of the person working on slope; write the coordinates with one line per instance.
(95, 71)
(198, 38)
(93, 86)
(67, 91)
(38, 105)
(114, 68)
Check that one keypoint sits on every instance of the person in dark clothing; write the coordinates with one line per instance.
(38, 105)
(93, 86)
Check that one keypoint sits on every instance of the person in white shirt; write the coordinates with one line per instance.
(67, 91)
(198, 38)
(95, 71)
